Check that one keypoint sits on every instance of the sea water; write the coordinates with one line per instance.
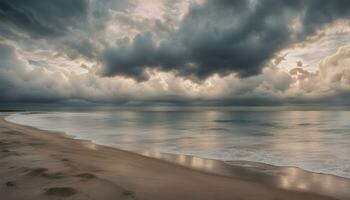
(317, 141)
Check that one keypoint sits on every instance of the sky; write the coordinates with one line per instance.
(165, 52)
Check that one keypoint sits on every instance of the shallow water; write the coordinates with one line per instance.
(317, 141)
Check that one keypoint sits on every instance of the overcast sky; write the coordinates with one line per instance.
(166, 52)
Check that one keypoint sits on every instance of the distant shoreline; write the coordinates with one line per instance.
(11, 111)
(137, 175)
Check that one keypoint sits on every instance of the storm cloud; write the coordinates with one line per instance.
(192, 52)
(43, 18)
(224, 37)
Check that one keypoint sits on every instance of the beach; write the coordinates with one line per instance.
(38, 164)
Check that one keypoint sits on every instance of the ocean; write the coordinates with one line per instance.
(317, 141)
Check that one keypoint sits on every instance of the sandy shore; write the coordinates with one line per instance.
(37, 164)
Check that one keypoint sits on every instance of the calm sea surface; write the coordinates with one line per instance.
(317, 141)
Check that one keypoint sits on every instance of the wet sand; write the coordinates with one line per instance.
(37, 164)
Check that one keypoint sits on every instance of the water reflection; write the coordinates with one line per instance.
(206, 165)
(298, 179)
(90, 145)
(314, 140)
(289, 178)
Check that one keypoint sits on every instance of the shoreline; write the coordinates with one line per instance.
(285, 177)
(155, 154)
(132, 176)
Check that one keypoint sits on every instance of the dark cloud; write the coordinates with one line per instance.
(223, 37)
(83, 47)
(130, 59)
(22, 83)
(41, 39)
(40, 18)
(73, 27)
(19, 84)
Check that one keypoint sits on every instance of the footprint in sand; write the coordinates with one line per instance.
(9, 153)
(128, 193)
(64, 159)
(86, 176)
(38, 171)
(60, 191)
(55, 175)
(10, 184)
(44, 173)
(5, 150)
